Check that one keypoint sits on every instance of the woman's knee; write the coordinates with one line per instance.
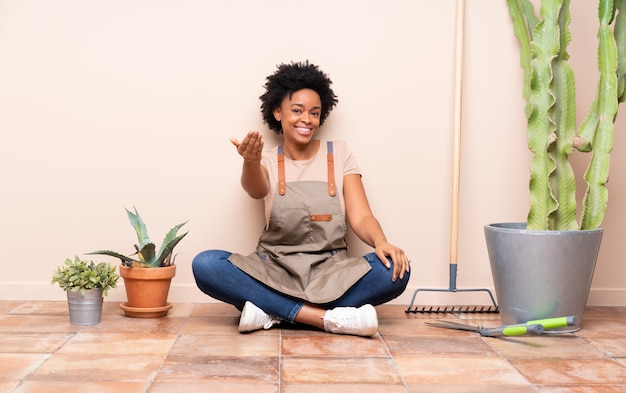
(379, 267)
(385, 275)
(405, 279)
(207, 261)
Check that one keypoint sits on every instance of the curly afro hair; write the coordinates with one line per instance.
(290, 78)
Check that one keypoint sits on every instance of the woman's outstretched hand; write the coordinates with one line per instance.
(251, 147)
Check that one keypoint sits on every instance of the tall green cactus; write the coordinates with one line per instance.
(549, 91)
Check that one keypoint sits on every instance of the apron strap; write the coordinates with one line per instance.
(332, 188)
(282, 188)
(332, 191)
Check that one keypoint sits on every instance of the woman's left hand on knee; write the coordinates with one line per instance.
(401, 263)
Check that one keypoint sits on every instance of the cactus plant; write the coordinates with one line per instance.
(146, 250)
(549, 92)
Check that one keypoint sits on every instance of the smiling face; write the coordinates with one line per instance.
(299, 115)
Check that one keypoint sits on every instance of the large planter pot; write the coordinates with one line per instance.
(541, 274)
(85, 309)
(147, 290)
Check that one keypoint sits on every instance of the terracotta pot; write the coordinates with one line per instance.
(147, 290)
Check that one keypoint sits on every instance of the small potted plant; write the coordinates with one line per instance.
(85, 283)
(147, 273)
(544, 266)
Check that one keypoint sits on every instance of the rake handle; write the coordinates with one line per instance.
(456, 164)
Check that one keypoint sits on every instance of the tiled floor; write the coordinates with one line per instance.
(196, 348)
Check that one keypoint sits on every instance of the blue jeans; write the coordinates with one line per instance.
(217, 277)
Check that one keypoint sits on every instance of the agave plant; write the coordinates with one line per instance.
(146, 255)
(550, 97)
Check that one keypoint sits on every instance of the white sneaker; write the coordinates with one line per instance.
(361, 321)
(253, 318)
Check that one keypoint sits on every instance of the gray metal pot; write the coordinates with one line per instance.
(85, 309)
(541, 274)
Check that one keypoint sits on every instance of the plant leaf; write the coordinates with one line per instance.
(524, 22)
(147, 255)
(171, 235)
(562, 179)
(597, 174)
(541, 127)
(140, 227)
(124, 258)
(620, 38)
(167, 250)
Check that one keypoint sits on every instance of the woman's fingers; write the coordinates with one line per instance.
(250, 147)
(400, 263)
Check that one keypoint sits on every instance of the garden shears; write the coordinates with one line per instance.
(531, 327)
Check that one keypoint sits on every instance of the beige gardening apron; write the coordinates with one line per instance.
(302, 251)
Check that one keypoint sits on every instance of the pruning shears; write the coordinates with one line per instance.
(531, 327)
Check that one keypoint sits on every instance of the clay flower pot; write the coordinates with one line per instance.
(147, 290)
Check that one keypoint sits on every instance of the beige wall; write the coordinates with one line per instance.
(106, 105)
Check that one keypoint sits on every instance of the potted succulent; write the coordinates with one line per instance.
(148, 272)
(544, 267)
(85, 283)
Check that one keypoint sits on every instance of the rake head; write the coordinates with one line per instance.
(452, 309)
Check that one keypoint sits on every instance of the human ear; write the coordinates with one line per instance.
(276, 113)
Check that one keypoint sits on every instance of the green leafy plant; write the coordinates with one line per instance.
(146, 254)
(80, 275)
(550, 97)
